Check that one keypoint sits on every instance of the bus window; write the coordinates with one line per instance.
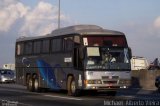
(56, 45)
(20, 47)
(77, 39)
(68, 43)
(28, 48)
(105, 41)
(45, 46)
(37, 47)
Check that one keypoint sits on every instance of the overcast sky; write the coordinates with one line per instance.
(138, 19)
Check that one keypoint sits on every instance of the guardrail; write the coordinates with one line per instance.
(144, 79)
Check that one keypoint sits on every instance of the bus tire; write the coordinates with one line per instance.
(159, 87)
(27, 81)
(30, 84)
(36, 84)
(159, 90)
(71, 87)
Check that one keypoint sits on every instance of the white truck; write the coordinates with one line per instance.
(138, 63)
(9, 66)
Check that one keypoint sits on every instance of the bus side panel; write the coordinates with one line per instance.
(52, 72)
(51, 69)
(19, 76)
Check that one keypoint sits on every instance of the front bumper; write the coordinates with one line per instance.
(5, 80)
(106, 87)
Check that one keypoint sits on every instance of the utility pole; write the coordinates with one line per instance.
(59, 14)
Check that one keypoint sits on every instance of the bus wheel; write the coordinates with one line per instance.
(30, 85)
(71, 86)
(36, 85)
(159, 88)
(27, 81)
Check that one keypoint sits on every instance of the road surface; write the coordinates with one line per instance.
(17, 95)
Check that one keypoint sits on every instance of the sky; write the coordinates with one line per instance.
(138, 19)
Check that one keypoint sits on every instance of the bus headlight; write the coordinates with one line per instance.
(93, 82)
(3, 78)
(99, 82)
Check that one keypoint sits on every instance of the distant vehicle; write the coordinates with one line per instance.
(155, 65)
(138, 63)
(157, 83)
(75, 58)
(7, 75)
(9, 66)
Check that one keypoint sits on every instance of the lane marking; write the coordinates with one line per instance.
(63, 97)
(17, 90)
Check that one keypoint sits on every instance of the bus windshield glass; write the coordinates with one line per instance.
(114, 40)
(110, 58)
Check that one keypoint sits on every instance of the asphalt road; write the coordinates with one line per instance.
(17, 95)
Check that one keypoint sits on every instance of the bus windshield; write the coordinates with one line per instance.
(110, 58)
(109, 40)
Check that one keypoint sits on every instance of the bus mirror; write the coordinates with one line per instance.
(130, 53)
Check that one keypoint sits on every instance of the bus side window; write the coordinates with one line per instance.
(76, 41)
(19, 49)
(37, 47)
(67, 43)
(45, 46)
(56, 45)
(28, 48)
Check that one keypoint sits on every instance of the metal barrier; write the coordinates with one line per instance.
(144, 79)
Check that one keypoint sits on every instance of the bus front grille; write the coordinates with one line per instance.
(110, 77)
(109, 82)
(109, 87)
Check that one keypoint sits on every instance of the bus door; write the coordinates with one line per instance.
(78, 58)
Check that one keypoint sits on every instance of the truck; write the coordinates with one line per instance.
(138, 63)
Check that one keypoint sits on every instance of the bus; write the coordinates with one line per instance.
(74, 58)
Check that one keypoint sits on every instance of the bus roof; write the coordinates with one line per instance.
(76, 29)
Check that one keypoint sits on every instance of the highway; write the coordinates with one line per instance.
(17, 95)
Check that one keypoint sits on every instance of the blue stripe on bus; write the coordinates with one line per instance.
(46, 70)
(62, 71)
